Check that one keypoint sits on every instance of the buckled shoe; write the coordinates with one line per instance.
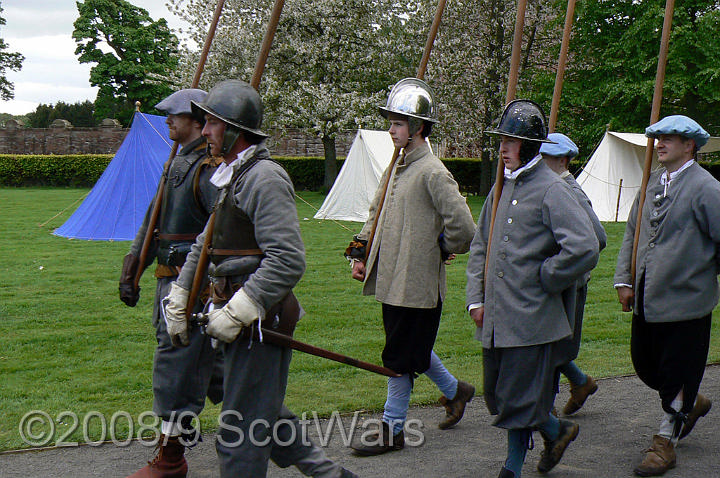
(554, 449)
(455, 408)
(578, 395)
(379, 442)
(700, 409)
(659, 458)
(169, 462)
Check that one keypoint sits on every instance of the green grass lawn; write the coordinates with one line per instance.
(67, 343)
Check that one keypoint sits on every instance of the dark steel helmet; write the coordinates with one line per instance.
(237, 104)
(413, 98)
(523, 119)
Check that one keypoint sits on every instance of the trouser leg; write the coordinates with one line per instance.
(398, 401)
(181, 375)
(255, 381)
(293, 447)
(440, 375)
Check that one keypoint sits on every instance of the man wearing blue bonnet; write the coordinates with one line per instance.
(675, 287)
(557, 156)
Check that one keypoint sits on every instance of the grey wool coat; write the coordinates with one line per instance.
(265, 193)
(585, 203)
(543, 242)
(678, 246)
(404, 267)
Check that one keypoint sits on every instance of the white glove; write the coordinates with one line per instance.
(175, 320)
(227, 322)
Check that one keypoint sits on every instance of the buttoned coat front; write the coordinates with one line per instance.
(543, 241)
(678, 246)
(404, 266)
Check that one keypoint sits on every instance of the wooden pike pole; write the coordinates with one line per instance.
(562, 62)
(654, 117)
(511, 89)
(155, 213)
(420, 75)
(204, 258)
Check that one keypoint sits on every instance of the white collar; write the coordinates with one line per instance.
(224, 172)
(514, 174)
(673, 175)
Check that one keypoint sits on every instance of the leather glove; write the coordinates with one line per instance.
(227, 322)
(128, 292)
(175, 320)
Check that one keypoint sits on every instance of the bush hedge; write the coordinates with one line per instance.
(307, 173)
(84, 170)
(52, 170)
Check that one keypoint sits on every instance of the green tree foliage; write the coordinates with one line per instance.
(80, 114)
(611, 71)
(8, 61)
(133, 54)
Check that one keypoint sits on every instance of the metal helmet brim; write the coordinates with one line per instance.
(412, 98)
(199, 107)
(523, 119)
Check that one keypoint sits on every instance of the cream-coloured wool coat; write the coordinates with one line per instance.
(404, 267)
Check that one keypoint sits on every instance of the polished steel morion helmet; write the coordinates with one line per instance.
(413, 98)
(238, 105)
(523, 119)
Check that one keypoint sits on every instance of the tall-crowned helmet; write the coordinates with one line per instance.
(238, 105)
(414, 99)
(523, 119)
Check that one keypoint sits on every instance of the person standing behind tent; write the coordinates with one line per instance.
(424, 219)
(187, 200)
(542, 243)
(256, 257)
(675, 287)
(557, 156)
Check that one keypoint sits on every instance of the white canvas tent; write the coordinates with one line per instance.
(619, 156)
(350, 196)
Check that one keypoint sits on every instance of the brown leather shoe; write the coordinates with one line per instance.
(554, 449)
(578, 395)
(455, 408)
(168, 463)
(700, 409)
(379, 442)
(659, 458)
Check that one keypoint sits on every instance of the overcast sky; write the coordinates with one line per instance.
(41, 30)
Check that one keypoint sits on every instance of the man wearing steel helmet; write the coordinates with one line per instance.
(557, 156)
(424, 219)
(256, 258)
(542, 244)
(675, 287)
(186, 204)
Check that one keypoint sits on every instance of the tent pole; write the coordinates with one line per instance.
(617, 206)
(511, 90)
(562, 61)
(420, 75)
(654, 117)
(155, 213)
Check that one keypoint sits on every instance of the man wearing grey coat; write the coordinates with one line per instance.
(257, 256)
(423, 219)
(542, 243)
(187, 199)
(557, 156)
(675, 287)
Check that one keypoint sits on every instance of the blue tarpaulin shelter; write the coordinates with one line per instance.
(116, 206)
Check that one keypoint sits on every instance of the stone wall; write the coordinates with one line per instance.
(63, 138)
